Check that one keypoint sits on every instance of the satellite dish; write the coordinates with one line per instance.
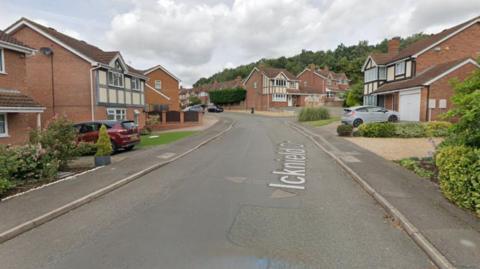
(46, 51)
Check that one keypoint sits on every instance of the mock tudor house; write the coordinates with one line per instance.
(269, 88)
(320, 84)
(72, 78)
(19, 113)
(162, 90)
(415, 80)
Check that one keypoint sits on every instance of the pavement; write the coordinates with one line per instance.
(453, 231)
(214, 208)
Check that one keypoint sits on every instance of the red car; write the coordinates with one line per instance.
(123, 134)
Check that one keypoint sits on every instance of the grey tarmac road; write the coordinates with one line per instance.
(214, 209)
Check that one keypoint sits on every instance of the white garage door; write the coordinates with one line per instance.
(410, 105)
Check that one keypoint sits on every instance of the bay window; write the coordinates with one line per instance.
(116, 114)
(279, 97)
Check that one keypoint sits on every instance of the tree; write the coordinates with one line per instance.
(228, 96)
(194, 100)
(355, 95)
(104, 146)
(466, 109)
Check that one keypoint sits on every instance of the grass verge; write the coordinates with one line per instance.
(318, 123)
(163, 138)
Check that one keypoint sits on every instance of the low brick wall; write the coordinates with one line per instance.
(176, 120)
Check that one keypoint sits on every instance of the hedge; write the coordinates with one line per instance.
(382, 129)
(459, 175)
(344, 130)
(227, 96)
(313, 114)
(404, 130)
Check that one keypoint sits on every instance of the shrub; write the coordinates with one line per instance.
(152, 120)
(5, 185)
(344, 130)
(227, 96)
(312, 114)
(145, 131)
(104, 146)
(383, 129)
(355, 95)
(34, 162)
(59, 139)
(437, 128)
(413, 164)
(86, 149)
(194, 100)
(8, 162)
(459, 175)
(408, 130)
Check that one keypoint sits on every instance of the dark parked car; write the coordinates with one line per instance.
(215, 109)
(123, 134)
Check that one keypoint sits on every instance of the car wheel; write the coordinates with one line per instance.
(393, 118)
(357, 122)
(114, 147)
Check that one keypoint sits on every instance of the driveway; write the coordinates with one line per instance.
(262, 196)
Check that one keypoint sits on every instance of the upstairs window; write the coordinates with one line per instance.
(2, 62)
(280, 82)
(158, 84)
(118, 66)
(371, 75)
(305, 83)
(115, 79)
(135, 84)
(255, 85)
(399, 68)
(382, 73)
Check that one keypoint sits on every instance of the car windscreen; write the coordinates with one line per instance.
(129, 124)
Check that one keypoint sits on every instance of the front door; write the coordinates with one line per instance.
(289, 100)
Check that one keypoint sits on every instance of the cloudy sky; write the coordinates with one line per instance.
(195, 38)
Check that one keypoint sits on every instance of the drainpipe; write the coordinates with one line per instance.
(428, 112)
(92, 104)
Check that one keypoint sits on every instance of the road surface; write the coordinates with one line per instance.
(215, 209)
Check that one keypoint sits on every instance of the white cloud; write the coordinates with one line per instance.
(196, 39)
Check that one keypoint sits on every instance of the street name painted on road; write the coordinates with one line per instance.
(293, 174)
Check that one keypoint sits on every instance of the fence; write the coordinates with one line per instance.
(176, 119)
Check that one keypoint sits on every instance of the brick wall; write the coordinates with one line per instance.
(254, 97)
(15, 71)
(170, 87)
(19, 127)
(464, 44)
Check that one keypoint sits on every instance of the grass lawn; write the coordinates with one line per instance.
(318, 123)
(163, 138)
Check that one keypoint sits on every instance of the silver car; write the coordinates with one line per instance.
(360, 114)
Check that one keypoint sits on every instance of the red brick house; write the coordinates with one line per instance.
(19, 113)
(415, 80)
(162, 89)
(75, 79)
(322, 84)
(269, 88)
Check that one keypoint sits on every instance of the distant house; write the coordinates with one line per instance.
(202, 91)
(415, 80)
(269, 88)
(323, 84)
(162, 89)
(19, 113)
(72, 78)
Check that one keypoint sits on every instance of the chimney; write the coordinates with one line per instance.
(312, 67)
(394, 45)
(326, 68)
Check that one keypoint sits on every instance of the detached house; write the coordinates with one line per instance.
(162, 90)
(80, 81)
(19, 113)
(322, 84)
(271, 88)
(415, 80)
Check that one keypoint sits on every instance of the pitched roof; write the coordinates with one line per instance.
(424, 77)
(14, 43)
(420, 45)
(151, 69)
(15, 99)
(272, 72)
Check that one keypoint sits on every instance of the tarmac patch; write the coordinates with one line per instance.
(166, 155)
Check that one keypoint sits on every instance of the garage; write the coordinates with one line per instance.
(409, 107)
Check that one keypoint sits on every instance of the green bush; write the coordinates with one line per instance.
(194, 100)
(413, 164)
(5, 185)
(227, 96)
(437, 128)
(86, 149)
(8, 162)
(35, 162)
(382, 129)
(344, 130)
(408, 130)
(459, 175)
(104, 146)
(312, 114)
(59, 139)
(355, 95)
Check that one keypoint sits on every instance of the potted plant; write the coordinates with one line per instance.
(104, 148)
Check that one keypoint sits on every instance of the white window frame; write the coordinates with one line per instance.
(280, 83)
(117, 113)
(382, 73)
(330, 94)
(5, 123)
(255, 85)
(121, 79)
(2, 63)
(371, 75)
(279, 97)
(136, 82)
(400, 68)
(158, 84)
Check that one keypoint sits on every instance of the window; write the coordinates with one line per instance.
(2, 62)
(399, 68)
(305, 83)
(279, 97)
(3, 125)
(116, 114)
(158, 84)
(330, 94)
(118, 66)
(135, 84)
(371, 74)
(115, 79)
(280, 82)
(382, 73)
(255, 85)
